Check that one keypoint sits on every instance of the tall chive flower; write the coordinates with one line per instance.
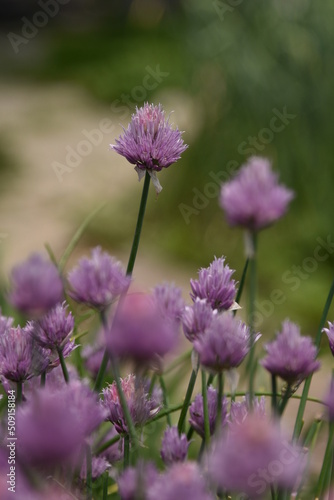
(36, 286)
(215, 285)
(174, 447)
(253, 456)
(140, 329)
(197, 318)
(97, 281)
(20, 357)
(141, 404)
(197, 413)
(240, 409)
(150, 143)
(53, 330)
(254, 199)
(168, 298)
(134, 482)
(291, 356)
(330, 334)
(225, 343)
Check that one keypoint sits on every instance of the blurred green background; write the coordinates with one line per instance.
(227, 66)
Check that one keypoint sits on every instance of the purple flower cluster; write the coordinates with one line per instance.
(252, 456)
(36, 286)
(197, 318)
(330, 334)
(215, 285)
(53, 330)
(174, 447)
(291, 356)
(142, 406)
(150, 143)
(97, 281)
(254, 199)
(140, 330)
(225, 343)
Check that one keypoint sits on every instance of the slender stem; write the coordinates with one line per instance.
(106, 445)
(302, 404)
(165, 399)
(153, 380)
(274, 396)
(139, 225)
(327, 463)
(220, 395)
(210, 379)
(126, 462)
(205, 410)
(190, 433)
(63, 365)
(19, 386)
(89, 493)
(102, 370)
(252, 295)
(105, 486)
(124, 404)
(241, 286)
(43, 379)
(186, 402)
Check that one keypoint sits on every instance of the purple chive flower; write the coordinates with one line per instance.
(330, 334)
(254, 199)
(215, 285)
(225, 343)
(291, 356)
(197, 318)
(254, 455)
(20, 357)
(150, 143)
(174, 448)
(98, 281)
(181, 482)
(53, 330)
(140, 331)
(329, 401)
(36, 286)
(240, 409)
(53, 425)
(141, 406)
(5, 323)
(169, 300)
(197, 415)
(99, 466)
(134, 482)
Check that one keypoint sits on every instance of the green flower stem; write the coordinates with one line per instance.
(165, 399)
(106, 445)
(241, 286)
(89, 490)
(126, 453)
(205, 409)
(105, 486)
(302, 404)
(210, 379)
(152, 383)
(327, 463)
(43, 379)
(101, 373)
(139, 225)
(186, 402)
(124, 404)
(252, 295)
(284, 400)
(63, 365)
(274, 396)
(190, 433)
(19, 386)
(220, 395)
